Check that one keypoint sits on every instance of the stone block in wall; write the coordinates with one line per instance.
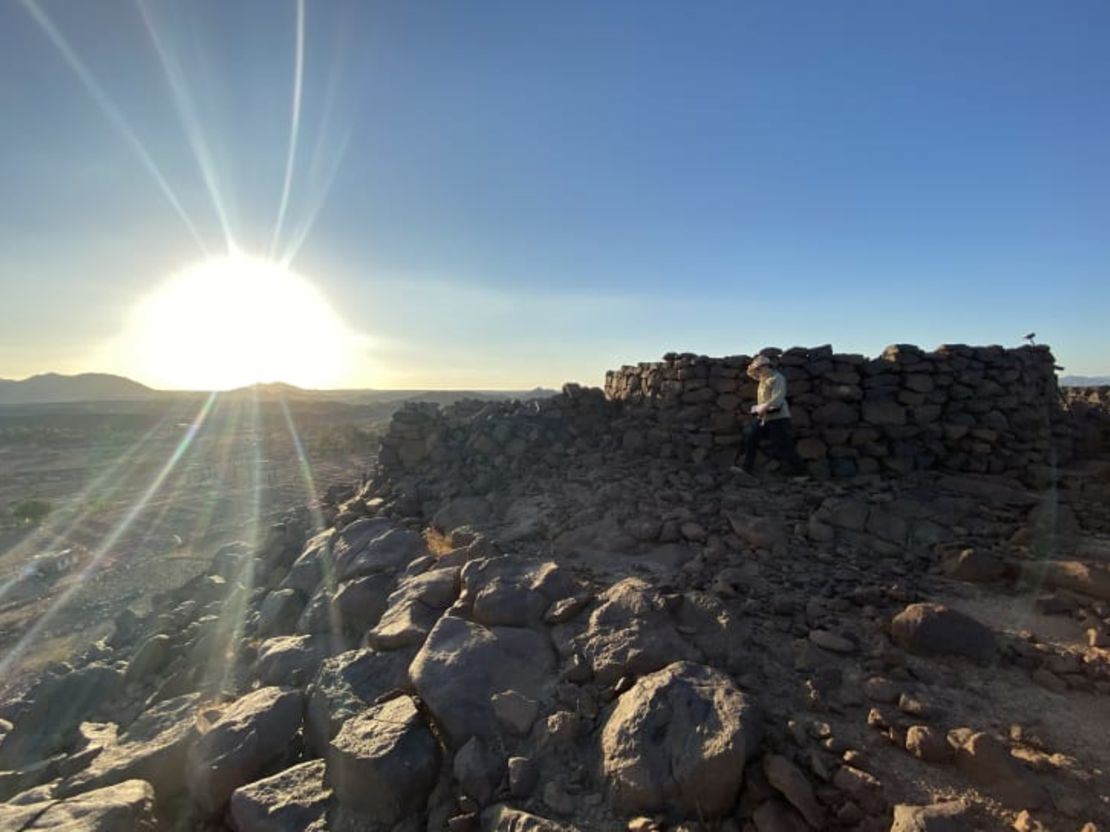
(925, 413)
(841, 392)
(836, 413)
(918, 382)
(729, 401)
(910, 398)
(884, 413)
(812, 448)
(698, 396)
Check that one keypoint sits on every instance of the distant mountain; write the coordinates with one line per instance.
(87, 387)
(1084, 381)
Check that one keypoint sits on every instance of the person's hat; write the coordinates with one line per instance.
(759, 361)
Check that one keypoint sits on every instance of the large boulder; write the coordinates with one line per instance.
(462, 664)
(414, 608)
(59, 704)
(153, 748)
(279, 612)
(289, 801)
(360, 602)
(249, 735)
(631, 633)
(312, 566)
(678, 740)
(384, 762)
(508, 591)
(374, 545)
(123, 807)
(934, 628)
(292, 660)
(347, 684)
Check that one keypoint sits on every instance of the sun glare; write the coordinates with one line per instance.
(234, 321)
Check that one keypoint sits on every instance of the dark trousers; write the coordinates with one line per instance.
(778, 433)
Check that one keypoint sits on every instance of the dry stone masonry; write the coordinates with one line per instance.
(960, 408)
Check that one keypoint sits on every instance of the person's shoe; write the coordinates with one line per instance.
(743, 477)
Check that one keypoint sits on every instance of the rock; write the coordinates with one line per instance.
(373, 545)
(384, 762)
(678, 740)
(247, 736)
(153, 749)
(279, 612)
(414, 607)
(515, 712)
(832, 642)
(788, 779)
(631, 633)
(759, 532)
(476, 771)
(934, 628)
(937, 817)
(987, 761)
(347, 684)
(289, 801)
(881, 689)
(975, 565)
(501, 818)
(291, 660)
(127, 806)
(556, 798)
(59, 704)
(462, 511)
(508, 591)
(776, 816)
(1072, 575)
(361, 602)
(461, 666)
(523, 775)
(928, 744)
(151, 657)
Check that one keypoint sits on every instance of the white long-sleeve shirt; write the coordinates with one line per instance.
(772, 392)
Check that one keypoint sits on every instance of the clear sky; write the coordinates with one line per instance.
(506, 194)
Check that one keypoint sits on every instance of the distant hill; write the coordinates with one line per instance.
(87, 387)
(1084, 381)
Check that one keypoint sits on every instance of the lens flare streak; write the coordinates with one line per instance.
(112, 112)
(106, 545)
(294, 127)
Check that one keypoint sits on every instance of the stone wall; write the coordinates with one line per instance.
(1089, 414)
(959, 408)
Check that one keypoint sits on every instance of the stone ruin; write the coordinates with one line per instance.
(567, 615)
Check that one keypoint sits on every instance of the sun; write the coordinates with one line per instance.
(233, 321)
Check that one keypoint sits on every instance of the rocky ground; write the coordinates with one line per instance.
(523, 625)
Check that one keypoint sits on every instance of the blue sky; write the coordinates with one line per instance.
(506, 194)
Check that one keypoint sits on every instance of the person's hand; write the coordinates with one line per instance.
(754, 409)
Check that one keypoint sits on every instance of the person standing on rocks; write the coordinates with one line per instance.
(772, 420)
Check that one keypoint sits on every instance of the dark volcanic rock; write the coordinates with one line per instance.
(124, 807)
(249, 734)
(347, 684)
(462, 664)
(153, 748)
(934, 628)
(384, 762)
(678, 740)
(290, 801)
(58, 705)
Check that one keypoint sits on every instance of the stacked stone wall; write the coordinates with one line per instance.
(960, 408)
(1089, 412)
